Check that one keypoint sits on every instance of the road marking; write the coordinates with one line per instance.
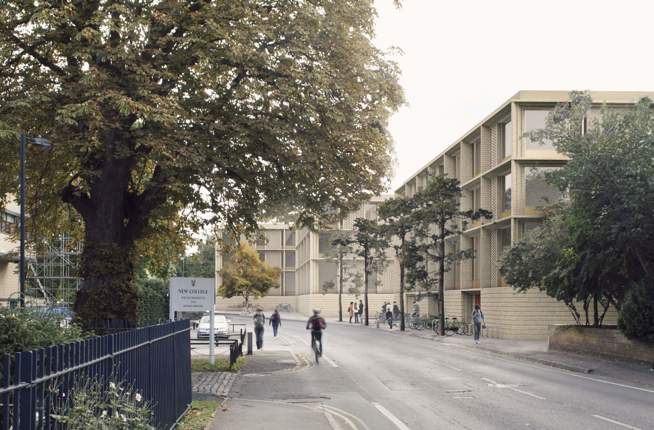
(388, 414)
(341, 411)
(610, 383)
(332, 422)
(617, 423)
(512, 388)
(330, 361)
(341, 416)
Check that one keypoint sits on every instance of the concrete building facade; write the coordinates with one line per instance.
(9, 283)
(500, 169)
(310, 271)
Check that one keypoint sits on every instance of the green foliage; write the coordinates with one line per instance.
(595, 247)
(200, 264)
(153, 305)
(92, 405)
(221, 364)
(246, 275)
(637, 313)
(200, 415)
(161, 112)
(25, 329)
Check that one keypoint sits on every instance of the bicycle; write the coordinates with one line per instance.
(314, 345)
(450, 327)
(416, 323)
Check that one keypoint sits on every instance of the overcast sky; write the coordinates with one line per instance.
(463, 58)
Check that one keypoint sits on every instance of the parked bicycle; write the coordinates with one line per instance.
(451, 325)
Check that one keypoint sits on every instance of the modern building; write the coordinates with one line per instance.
(310, 272)
(9, 284)
(500, 169)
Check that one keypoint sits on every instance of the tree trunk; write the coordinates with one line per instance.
(365, 286)
(595, 312)
(340, 286)
(402, 296)
(441, 284)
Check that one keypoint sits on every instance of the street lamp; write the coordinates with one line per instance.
(44, 143)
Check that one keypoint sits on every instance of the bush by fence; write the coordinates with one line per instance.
(153, 301)
(155, 361)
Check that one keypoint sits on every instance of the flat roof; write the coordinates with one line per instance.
(538, 96)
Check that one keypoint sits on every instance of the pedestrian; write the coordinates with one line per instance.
(389, 317)
(361, 311)
(259, 324)
(355, 309)
(350, 311)
(396, 311)
(478, 321)
(275, 321)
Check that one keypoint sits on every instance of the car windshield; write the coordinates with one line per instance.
(217, 319)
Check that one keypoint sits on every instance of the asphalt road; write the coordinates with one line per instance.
(371, 379)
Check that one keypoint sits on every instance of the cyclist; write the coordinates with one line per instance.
(316, 324)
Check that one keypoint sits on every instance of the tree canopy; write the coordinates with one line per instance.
(220, 107)
(245, 275)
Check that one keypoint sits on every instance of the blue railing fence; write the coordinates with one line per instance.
(154, 360)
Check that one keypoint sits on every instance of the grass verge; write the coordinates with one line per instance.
(200, 415)
(221, 365)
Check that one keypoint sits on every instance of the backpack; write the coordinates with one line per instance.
(259, 320)
(317, 324)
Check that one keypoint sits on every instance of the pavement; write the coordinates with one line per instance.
(378, 379)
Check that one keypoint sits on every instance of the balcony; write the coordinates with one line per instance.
(504, 214)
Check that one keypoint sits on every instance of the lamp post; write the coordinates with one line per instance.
(38, 141)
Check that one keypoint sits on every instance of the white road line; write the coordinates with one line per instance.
(332, 422)
(448, 366)
(610, 383)
(527, 393)
(330, 361)
(341, 411)
(617, 423)
(395, 420)
(512, 388)
(341, 416)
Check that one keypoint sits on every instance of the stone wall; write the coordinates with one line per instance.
(608, 342)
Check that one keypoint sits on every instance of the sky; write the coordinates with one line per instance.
(463, 58)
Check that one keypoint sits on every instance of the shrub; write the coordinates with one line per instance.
(92, 405)
(153, 298)
(26, 329)
(637, 313)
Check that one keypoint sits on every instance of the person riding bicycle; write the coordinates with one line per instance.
(316, 324)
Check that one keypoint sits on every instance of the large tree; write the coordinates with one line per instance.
(371, 246)
(396, 215)
(224, 107)
(439, 220)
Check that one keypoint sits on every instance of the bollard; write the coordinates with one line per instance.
(249, 343)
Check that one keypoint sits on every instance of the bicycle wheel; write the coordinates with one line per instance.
(315, 351)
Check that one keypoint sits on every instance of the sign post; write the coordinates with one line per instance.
(195, 295)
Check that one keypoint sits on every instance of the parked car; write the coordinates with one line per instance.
(220, 327)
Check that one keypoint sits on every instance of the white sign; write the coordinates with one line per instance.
(191, 294)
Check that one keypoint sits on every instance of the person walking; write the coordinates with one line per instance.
(361, 311)
(478, 321)
(355, 309)
(396, 311)
(350, 311)
(259, 324)
(389, 317)
(275, 321)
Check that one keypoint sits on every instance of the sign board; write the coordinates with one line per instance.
(191, 294)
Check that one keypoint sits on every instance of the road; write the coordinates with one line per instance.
(372, 379)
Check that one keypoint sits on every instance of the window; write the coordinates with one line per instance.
(506, 140)
(289, 283)
(274, 238)
(474, 265)
(290, 238)
(476, 150)
(476, 199)
(289, 257)
(8, 223)
(539, 192)
(504, 186)
(535, 120)
(325, 243)
(504, 240)
(327, 273)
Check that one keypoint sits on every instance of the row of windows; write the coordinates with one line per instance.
(274, 258)
(8, 223)
(275, 238)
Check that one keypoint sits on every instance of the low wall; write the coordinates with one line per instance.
(268, 303)
(607, 342)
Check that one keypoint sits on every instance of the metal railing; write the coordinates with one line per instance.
(155, 360)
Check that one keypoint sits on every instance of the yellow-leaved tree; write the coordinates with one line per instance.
(246, 275)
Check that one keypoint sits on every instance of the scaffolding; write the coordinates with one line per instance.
(53, 272)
